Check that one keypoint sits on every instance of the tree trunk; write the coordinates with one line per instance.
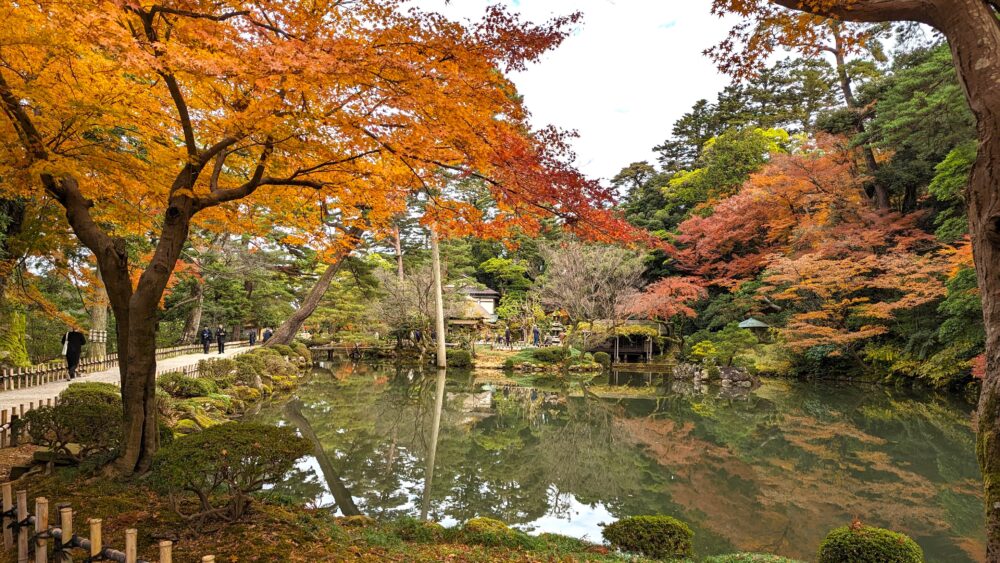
(98, 343)
(285, 334)
(399, 253)
(439, 321)
(425, 504)
(193, 322)
(876, 190)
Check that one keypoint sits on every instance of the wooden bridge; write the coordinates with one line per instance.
(356, 351)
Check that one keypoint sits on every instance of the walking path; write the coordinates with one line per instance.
(40, 393)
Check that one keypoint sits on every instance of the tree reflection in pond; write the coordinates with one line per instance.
(771, 470)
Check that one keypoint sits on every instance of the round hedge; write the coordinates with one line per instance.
(659, 537)
(867, 544)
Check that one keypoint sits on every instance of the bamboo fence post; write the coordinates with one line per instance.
(166, 551)
(8, 503)
(41, 526)
(22, 538)
(66, 523)
(3, 435)
(95, 536)
(131, 536)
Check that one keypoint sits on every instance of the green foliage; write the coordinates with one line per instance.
(417, 531)
(224, 464)
(282, 349)
(505, 275)
(948, 186)
(459, 359)
(302, 350)
(659, 537)
(181, 386)
(550, 355)
(221, 371)
(91, 392)
(866, 544)
(89, 421)
(603, 358)
(13, 341)
(494, 533)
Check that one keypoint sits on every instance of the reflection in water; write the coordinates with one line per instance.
(429, 471)
(769, 470)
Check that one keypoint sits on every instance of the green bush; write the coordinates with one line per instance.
(550, 355)
(302, 351)
(494, 533)
(459, 359)
(415, 530)
(277, 366)
(223, 465)
(182, 386)
(93, 424)
(265, 351)
(166, 433)
(508, 364)
(91, 391)
(865, 544)
(603, 358)
(660, 537)
(282, 349)
(222, 371)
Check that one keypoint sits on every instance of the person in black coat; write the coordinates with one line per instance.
(220, 337)
(206, 338)
(253, 337)
(73, 342)
(267, 334)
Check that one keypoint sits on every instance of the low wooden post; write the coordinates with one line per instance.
(95, 536)
(22, 537)
(131, 536)
(66, 523)
(41, 525)
(166, 551)
(8, 503)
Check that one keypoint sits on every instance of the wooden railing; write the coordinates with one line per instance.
(20, 378)
(30, 534)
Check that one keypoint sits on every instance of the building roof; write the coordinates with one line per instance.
(754, 323)
(478, 292)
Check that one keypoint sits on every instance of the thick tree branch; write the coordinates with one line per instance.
(868, 10)
(22, 122)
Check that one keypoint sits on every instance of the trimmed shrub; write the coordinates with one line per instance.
(659, 537)
(92, 424)
(222, 371)
(166, 433)
(459, 359)
(550, 355)
(283, 349)
(866, 544)
(266, 351)
(91, 392)
(415, 530)
(277, 366)
(508, 364)
(302, 351)
(603, 358)
(223, 465)
(182, 386)
(494, 533)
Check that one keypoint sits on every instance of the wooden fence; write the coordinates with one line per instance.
(29, 533)
(20, 378)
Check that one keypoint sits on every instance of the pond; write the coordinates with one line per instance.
(772, 469)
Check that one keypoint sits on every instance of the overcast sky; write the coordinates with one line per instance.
(630, 69)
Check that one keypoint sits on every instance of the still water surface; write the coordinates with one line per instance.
(771, 469)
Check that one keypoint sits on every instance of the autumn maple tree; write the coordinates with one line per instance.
(972, 29)
(144, 120)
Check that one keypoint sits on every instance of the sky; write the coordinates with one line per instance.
(628, 71)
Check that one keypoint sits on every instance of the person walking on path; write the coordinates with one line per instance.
(206, 338)
(267, 335)
(220, 337)
(506, 337)
(253, 337)
(72, 342)
(536, 335)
